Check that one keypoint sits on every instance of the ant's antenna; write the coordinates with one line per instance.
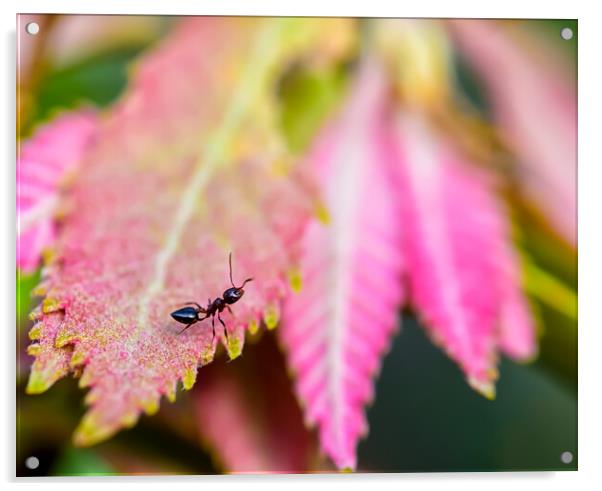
(231, 281)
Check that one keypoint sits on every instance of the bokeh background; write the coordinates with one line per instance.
(425, 417)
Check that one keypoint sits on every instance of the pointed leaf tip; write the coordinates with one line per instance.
(78, 358)
(35, 332)
(34, 349)
(271, 316)
(171, 393)
(234, 347)
(485, 388)
(189, 378)
(151, 407)
(90, 431)
(253, 327)
(295, 279)
(38, 383)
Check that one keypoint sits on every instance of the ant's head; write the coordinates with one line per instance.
(234, 294)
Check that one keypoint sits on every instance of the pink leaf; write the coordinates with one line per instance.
(535, 101)
(76, 37)
(516, 324)
(462, 275)
(248, 414)
(338, 327)
(45, 159)
(182, 173)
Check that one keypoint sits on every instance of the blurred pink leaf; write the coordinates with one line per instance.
(249, 417)
(516, 332)
(183, 171)
(462, 274)
(534, 98)
(340, 324)
(76, 37)
(44, 161)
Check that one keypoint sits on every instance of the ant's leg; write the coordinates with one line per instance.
(190, 303)
(198, 319)
(191, 324)
(225, 330)
(213, 328)
(229, 309)
(201, 309)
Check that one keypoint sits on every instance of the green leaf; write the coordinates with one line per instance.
(81, 462)
(98, 80)
(308, 96)
(25, 285)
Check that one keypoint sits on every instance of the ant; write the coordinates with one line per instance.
(190, 315)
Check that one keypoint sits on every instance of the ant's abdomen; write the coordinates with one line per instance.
(186, 315)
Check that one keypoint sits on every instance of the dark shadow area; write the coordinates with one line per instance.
(427, 419)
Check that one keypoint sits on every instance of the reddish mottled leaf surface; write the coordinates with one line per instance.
(183, 172)
(339, 325)
(463, 277)
(248, 415)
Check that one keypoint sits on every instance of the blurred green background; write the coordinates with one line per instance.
(425, 417)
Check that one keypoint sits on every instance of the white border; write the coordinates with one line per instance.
(425, 8)
(590, 237)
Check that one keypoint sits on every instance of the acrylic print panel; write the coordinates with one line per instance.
(255, 245)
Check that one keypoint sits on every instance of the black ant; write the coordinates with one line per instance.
(190, 315)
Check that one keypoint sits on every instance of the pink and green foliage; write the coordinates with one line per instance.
(523, 79)
(174, 182)
(463, 278)
(401, 204)
(338, 327)
(184, 169)
(45, 161)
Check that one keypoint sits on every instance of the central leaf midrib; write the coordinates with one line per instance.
(252, 80)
